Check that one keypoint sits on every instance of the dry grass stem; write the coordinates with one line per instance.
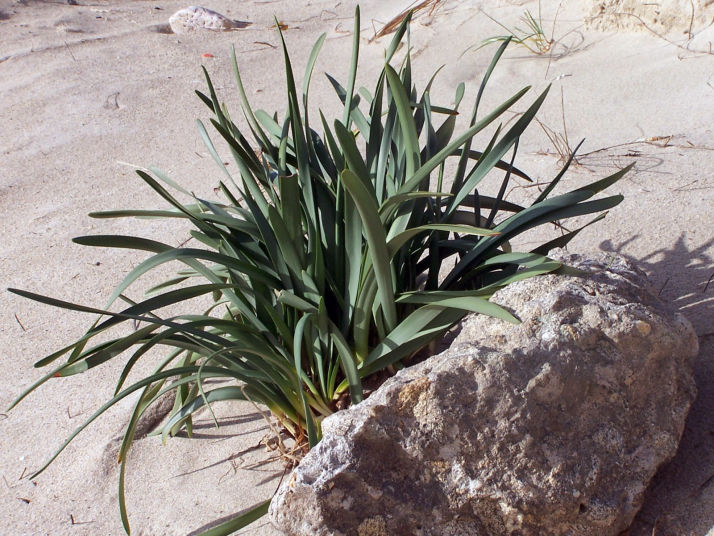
(559, 141)
(273, 440)
(394, 23)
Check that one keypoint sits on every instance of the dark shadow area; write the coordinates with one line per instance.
(216, 436)
(680, 498)
(241, 419)
(163, 28)
(273, 475)
(211, 432)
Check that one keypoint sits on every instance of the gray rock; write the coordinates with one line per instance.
(195, 18)
(551, 427)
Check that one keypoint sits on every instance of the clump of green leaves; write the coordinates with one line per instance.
(334, 254)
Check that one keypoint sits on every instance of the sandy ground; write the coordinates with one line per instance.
(86, 87)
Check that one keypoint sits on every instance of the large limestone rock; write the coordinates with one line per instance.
(552, 427)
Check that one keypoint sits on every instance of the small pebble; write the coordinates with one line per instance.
(195, 18)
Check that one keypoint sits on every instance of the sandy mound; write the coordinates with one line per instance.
(666, 16)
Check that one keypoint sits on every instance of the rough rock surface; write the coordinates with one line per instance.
(195, 18)
(551, 427)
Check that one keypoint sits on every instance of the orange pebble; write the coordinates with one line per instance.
(207, 55)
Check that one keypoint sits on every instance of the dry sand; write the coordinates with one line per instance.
(86, 87)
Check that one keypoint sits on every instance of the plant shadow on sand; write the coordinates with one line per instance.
(680, 498)
(219, 521)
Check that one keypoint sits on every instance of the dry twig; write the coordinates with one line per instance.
(394, 23)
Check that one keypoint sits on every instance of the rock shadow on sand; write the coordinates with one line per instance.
(680, 498)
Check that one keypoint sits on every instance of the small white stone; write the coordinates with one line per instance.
(195, 18)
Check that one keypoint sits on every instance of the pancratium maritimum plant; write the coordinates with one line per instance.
(326, 256)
